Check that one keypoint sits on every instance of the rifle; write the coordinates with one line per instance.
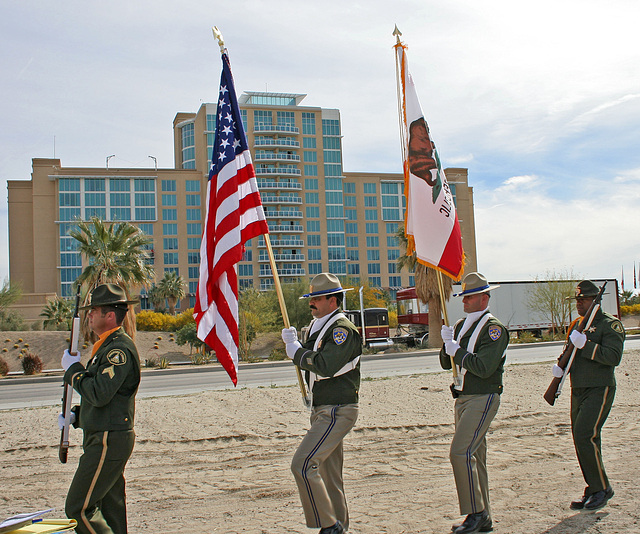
(67, 396)
(569, 351)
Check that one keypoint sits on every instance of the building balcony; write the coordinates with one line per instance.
(276, 142)
(273, 199)
(275, 128)
(275, 171)
(283, 214)
(277, 157)
(264, 185)
(282, 272)
(293, 228)
(282, 257)
(281, 243)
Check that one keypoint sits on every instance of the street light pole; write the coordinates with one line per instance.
(108, 158)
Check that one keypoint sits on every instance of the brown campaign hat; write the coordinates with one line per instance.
(474, 283)
(108, 295)
(324, 284)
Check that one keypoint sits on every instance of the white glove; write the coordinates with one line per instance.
(289, 335)
(291, 348)
(578, 339)
(68, 360)
(450, 347)
(557, 371)
(72, 419)
(447, 333)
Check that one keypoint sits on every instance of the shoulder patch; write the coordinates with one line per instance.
(117, 357)
(616, 326)
(340, 335)
(495, 332)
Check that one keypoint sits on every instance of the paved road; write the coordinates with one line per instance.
(46, 391)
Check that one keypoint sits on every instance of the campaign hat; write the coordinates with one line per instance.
(586, 289)
(474, 283)
(108, 295)
(324, 284)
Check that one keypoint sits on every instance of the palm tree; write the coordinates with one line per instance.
(172, 288)
(58, 312)
(115, 253)
(426, 289)
(156, 297)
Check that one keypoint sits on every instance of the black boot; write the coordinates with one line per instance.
(478, 522)
(333, 529)
(598, 499)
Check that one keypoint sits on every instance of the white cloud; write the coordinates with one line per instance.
(594, 233)
(536, 99)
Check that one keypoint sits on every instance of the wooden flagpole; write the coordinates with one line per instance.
(445, 316)
(403, 143)
(285, 315)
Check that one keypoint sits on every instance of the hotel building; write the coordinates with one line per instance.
(320, 218)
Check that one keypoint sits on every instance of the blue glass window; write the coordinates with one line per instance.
(169, 200)
(171, 258)
(309, 123)
(193, 200)
(168, 185)
(169, 229)
(192, 185)
(194, 214)
(170, 215)
(170, 243)
(194, 229)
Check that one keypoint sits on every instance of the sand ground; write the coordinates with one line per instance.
(219, 461)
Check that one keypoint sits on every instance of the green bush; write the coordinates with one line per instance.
(4, 367)
(151, 321)
(31, 363)
(198, 358)
(524, 337)
(630, 310)
(277, 355)
(11, 320)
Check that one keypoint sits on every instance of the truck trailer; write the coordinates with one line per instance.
(509, 303)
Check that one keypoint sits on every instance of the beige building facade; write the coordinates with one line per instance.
(320, 217)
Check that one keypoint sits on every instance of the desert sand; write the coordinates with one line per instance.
(219, 461)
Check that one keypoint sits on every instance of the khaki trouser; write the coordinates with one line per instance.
(317, 465)
(468, 453)
(96, 498)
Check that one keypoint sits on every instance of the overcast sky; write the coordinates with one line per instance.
(539, 100)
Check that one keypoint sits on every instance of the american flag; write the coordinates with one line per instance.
(431, 225)
(234, 215)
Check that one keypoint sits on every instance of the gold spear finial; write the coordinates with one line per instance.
(397, 33)
(218, 35)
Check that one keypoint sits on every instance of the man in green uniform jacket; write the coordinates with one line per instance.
(593, 388)
(331, 358)
(477, 345)
(108, 385)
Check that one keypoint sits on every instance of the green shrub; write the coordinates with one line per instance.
(198, 358)
(4, 367)
(524, 337)
(151, 362)
(31, 363)
(630, 310)
(151, 321)
(277, 354)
